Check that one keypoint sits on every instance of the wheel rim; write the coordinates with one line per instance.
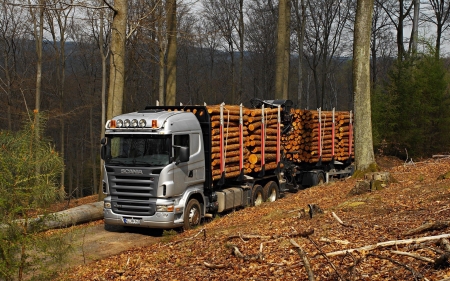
(259, 199)
(194, 216)
(272, 195)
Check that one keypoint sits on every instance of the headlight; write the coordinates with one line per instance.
(164, 208)
(134, 123)
(142, 123)
(126, 123)
(119, 123)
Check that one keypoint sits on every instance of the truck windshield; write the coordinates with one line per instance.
(138, 150)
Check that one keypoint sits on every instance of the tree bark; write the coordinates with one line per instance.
(117, 59)
(364, 155)
(171, 86)
(280, 64)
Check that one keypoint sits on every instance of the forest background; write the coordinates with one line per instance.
(55, 61)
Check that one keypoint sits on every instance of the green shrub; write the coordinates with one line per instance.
(29, 168)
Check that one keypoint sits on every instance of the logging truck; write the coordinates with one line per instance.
(172, 166)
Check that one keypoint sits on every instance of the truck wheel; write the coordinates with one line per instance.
(271, 191)
(257, 195)
(192, 214)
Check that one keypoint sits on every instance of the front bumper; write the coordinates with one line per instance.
(162, 220)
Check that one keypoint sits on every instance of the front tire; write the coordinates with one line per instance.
(192, 214)
(271, 191)
(257, 195)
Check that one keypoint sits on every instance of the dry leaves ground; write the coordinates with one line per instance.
(224, 250)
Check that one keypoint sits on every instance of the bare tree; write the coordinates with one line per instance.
(441, 12)
(11, 33)
(325, 42)
(224, 16)
(398, 12)
(261, 43)
(58, 18)
(364, 155)
(300, 23)
(37, 18)
(380, 45)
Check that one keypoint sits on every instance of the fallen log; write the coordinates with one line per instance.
(438, 225)
(70, 217)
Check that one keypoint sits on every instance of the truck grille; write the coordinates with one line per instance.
(131, 193)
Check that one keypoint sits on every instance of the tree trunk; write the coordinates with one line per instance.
(101, 196)
(162, 77)
(364, 155)
(171, 86)
(287, 51)
(301, 22)
(117, 59)
(280, 50)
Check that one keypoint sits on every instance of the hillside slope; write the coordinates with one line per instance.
(255, 243)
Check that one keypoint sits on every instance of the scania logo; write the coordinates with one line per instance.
(131, 171)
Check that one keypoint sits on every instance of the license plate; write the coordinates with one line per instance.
(132, 221)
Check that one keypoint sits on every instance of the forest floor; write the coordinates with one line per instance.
(257, 243)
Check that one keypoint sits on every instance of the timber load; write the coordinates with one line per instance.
(247, 140)
(319, 135)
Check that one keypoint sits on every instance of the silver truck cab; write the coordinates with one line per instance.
(154, 169)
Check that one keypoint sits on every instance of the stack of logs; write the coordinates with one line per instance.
(300, 144)
(252, 119)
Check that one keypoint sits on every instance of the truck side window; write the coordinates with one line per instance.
(180, 140)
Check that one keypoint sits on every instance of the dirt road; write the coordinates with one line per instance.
(92, 242)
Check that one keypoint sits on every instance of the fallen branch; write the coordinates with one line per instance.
(191, 238)
(388, 244)
(438, 225)
(305, 260)
(237, 253)
(325, 256)
(415, 273)
(327, 240)
(340, 221)
(214, 266)
(425, 259)
(305, 233)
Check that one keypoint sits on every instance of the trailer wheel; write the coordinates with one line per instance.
(271, 191)
(192, 214)
(257, 195)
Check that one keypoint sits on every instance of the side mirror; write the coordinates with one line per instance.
(103, 148)
(103, 152)
(184, 154)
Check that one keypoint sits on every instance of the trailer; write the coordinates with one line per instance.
(171, 166)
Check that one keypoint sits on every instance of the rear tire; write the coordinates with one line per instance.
(257, 195)
(271, 191)
(192, 214)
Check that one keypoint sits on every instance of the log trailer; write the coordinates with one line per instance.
(171, 166)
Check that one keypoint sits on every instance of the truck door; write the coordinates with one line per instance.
(191, 172)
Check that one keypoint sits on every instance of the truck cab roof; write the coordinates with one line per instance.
(161, 121)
